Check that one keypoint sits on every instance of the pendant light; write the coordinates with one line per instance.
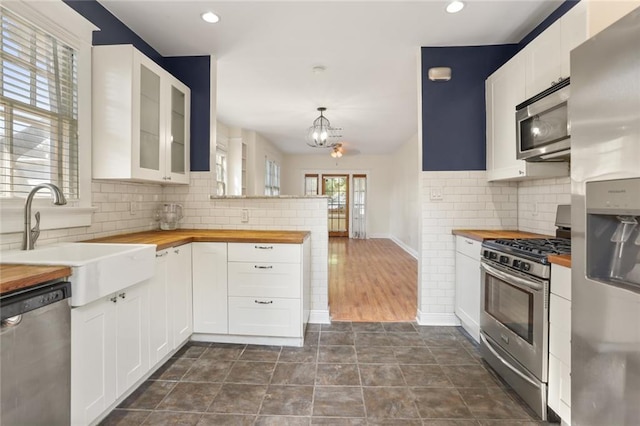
(320, 132)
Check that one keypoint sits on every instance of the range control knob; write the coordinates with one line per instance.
(526, 266)
(485, 254)
(504, 259)
(493, 255)
(517, 263)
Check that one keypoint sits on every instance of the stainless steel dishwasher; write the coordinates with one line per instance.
(35, 356)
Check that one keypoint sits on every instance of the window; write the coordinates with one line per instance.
(311, 184)
(38, 110)
(45, 111)
(271, 178)
(221, 171)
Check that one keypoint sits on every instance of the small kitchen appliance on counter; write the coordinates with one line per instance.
(514, 315)
(169, 214)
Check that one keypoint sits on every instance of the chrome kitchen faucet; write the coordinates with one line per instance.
(31, 235)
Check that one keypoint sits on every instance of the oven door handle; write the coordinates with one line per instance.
(511, 278)
(506, 363)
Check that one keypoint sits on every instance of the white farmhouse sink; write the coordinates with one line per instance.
(98, 269)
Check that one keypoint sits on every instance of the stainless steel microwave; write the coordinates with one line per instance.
(543, 127)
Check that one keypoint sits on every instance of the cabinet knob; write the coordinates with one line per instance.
(168, 178)
(520, 172)
(122, 295)
(262, 302)
(177, 251)
(163, 254)
(114, 299)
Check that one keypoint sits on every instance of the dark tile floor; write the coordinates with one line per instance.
(346, 374)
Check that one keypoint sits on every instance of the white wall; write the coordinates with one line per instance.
(379, 181)
(404, 200)
(469, 202)
(538, 201)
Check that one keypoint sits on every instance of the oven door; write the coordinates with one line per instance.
(515, 315)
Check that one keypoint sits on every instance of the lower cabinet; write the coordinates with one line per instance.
(251, 289)
(467, 307)
(210, 288)
(109, 350)
(559, 398)
(118, 340)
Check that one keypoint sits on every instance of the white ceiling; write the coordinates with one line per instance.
(266, 51)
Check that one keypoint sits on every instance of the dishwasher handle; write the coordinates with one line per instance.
(33, 298)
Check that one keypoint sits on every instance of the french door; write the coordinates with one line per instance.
(336, 187)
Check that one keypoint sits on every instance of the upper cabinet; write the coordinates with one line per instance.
(140, 118)
(504, 89)
(543, 59)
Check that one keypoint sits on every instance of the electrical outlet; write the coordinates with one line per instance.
(245, 216)
(436, 194)
(133, 208)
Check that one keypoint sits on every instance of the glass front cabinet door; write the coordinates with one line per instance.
(141, 118)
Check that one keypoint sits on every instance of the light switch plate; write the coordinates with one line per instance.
(245, 216)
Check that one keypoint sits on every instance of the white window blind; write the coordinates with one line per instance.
(38, 110)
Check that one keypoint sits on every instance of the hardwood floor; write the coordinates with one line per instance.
(371, 280)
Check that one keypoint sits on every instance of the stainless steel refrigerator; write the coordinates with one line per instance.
(605, 182)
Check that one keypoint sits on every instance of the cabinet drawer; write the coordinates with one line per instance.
(264, 252)
(468, 247)
(264, 279)
(561, 281)
(265, 316)
(560, 329)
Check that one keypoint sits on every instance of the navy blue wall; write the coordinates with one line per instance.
(453, 112)
(194, 71)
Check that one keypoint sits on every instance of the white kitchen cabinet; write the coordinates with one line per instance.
(141, 117)
(159, 310)
(468, 278)
(505, 88)
(210, 288)
(559, 398)
(180, 294)
(265, 285)
(170, 294)
(109, 350)
(543, 61)
(573, 32)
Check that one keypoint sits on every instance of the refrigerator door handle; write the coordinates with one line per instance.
(506, 363)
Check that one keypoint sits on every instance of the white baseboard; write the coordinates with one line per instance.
(319, 317)
(425, 318)
(405, 247)
(387, 236)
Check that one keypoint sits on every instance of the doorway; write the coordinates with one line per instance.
(336, 187)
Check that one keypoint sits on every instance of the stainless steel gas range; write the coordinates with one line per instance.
(514, 317)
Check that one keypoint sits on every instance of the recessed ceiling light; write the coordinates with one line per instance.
(455, 6)
(210, 17)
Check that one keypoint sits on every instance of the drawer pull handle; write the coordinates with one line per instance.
(261, 302)
(263, 267)
(163, 254)
(468, 242)
(264, 247)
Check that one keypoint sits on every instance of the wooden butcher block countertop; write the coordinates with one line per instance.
(484, 234)
(166, 239)
(560, 259)
(18, 277)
